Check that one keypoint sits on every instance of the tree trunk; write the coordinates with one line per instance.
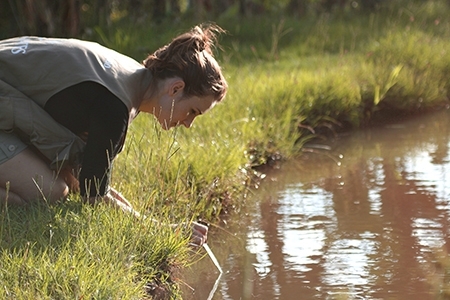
(297, 7)
(159, 10)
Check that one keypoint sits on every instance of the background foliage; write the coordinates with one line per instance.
(77, 17)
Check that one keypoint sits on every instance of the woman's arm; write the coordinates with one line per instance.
(199, 234)
(90, 110)
(116, 199)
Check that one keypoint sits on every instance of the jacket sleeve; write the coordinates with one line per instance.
(19, 113)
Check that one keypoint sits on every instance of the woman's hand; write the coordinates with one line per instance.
(119, 197)
(71, 181)
(199, 234)
(116, 199)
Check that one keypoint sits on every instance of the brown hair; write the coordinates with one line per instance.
(190, 57)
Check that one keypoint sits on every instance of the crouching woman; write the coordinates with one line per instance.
(66, 105)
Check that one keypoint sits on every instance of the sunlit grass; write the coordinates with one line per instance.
(74, 251)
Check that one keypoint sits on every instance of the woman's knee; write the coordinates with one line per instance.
(48, 187)
(31, 179)
(57, 191)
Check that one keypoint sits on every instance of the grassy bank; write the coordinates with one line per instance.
(291, 80)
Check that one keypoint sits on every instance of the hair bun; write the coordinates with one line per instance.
(207, 36)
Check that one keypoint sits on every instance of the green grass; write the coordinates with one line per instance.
(74, 251)
(290, 81)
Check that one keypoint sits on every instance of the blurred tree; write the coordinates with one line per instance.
(74, 17)
(8, 19)
(297, 7)
(174, 7)
(242, 7)
(44, 17)
(370, 4)
(70, 16)
(159, 10)
(329, 5)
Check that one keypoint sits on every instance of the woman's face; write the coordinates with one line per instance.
(183, 111)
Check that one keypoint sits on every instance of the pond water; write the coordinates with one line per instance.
(367, 219)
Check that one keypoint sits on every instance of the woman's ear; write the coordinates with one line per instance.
(176, 87)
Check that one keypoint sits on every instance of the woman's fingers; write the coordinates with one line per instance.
(71, 181)
(201, 227)
(199, 234)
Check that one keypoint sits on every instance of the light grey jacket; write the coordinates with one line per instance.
(33, 69)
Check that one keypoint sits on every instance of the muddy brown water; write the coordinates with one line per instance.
(364, 220)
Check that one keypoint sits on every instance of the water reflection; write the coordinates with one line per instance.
(365, 229)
